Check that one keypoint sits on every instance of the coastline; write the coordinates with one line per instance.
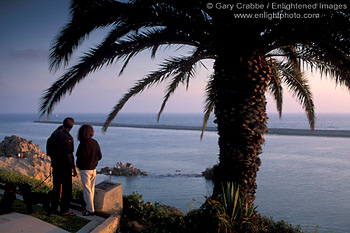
(272, 131)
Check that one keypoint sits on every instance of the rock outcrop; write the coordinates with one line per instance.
(22, 156)
(209, 172)
(122, 169)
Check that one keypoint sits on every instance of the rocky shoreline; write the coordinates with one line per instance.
(209, 173)
(24, 157)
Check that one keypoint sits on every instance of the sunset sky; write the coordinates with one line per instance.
(28, 28)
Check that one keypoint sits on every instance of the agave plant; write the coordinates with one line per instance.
(233, 211)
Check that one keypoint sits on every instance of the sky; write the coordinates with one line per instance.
(28, 28)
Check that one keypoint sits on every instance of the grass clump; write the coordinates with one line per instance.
(18, 180)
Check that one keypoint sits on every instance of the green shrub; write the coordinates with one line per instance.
(154, 217)
(228, 213)
(268, 225)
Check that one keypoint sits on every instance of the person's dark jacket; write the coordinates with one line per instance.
(62, 148)
(88, 154)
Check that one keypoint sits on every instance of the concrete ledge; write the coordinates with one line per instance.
(95, 221)
(16, 222)
(111, 224)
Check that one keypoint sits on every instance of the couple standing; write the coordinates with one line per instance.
(61, 149)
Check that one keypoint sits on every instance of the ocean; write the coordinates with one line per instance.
(303, 180)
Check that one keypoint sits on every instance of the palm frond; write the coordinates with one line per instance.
(170, 68)
(186, 69)
(125, 17)
(140, 86)
(276, 89)
(84, 20)
(299, 87)
(209, 104)
(275, 86)
(329, 60)
(105, 54)
(92, 61)
(150, 38)
(290, 53)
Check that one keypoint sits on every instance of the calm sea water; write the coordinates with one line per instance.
(303, 180)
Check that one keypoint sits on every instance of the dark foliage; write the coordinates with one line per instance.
(9, 197)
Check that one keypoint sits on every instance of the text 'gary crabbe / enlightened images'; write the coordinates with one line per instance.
(273, 10)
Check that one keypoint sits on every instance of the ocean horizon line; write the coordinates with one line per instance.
(273, 131)
(153, 113)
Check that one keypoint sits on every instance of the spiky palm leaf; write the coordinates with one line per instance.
(209, 106)
(179, 68)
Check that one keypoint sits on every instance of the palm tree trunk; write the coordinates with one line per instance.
(240, 111)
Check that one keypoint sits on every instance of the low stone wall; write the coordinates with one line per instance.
(112, 224)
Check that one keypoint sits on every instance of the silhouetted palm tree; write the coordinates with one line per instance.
(251, 57)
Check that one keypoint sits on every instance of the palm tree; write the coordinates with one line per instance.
(250, 56)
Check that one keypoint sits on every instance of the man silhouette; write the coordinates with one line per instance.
(62, 162)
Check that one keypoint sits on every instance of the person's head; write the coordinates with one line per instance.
(68, 123)
(85, 132)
